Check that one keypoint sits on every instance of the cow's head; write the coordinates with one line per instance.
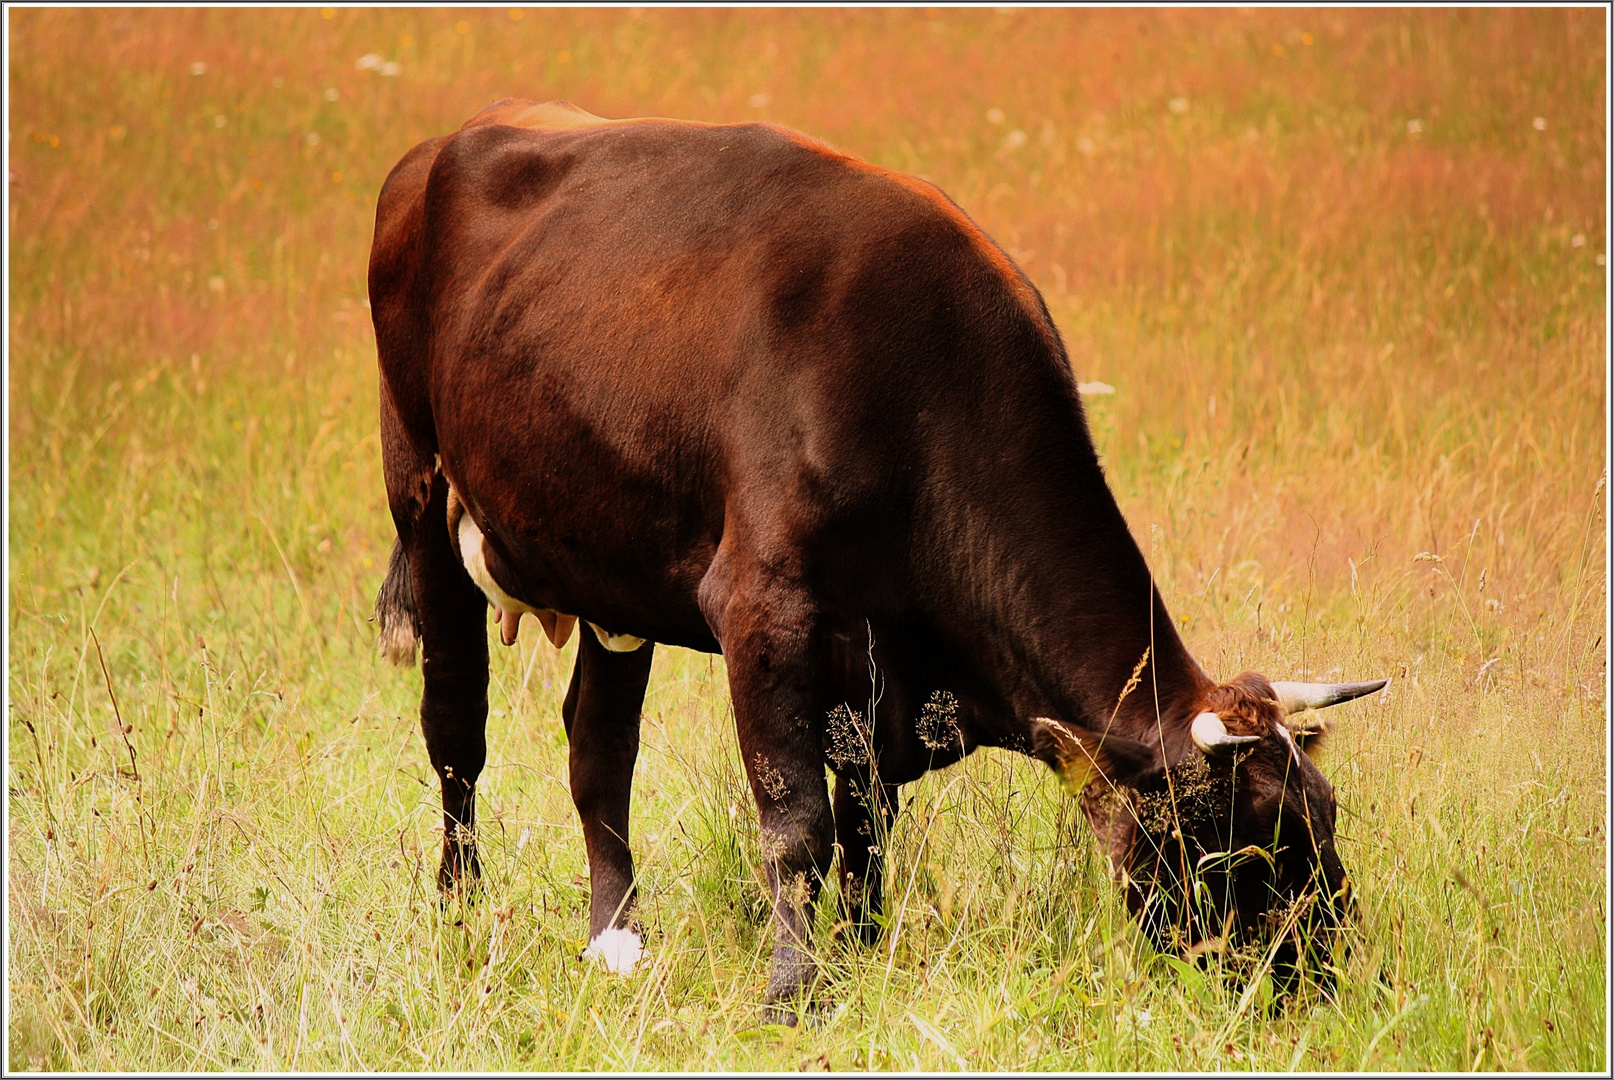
(1231, 848)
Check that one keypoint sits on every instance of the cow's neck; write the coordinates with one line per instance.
(1061, 607)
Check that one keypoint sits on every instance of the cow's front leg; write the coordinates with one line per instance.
(454, 664)
(602, 713)
(777, 676)
(863, 815)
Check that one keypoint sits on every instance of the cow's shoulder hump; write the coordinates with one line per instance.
(536, 116)
(550, 117)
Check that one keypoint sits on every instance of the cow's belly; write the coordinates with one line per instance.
(629, 564)
(558, 625)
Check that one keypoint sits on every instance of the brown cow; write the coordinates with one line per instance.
(726, 388)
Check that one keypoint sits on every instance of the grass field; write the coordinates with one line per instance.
(1346, 273)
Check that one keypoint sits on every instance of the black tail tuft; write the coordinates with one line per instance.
(395, 611)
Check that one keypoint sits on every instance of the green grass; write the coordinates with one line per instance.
(1404, 345)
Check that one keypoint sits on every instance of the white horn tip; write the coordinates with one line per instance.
(1211, 736)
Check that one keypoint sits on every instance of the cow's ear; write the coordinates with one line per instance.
(1309, 730)
(1079, 756)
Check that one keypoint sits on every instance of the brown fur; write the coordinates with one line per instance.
(726, 388)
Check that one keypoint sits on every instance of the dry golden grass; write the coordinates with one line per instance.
(1350, 292)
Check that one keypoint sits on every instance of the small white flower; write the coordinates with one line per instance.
(311, 139)
(198, 68)
(759, 100)
(1414, 127)
(331, 93)
(216, 283)
(1178, 105)
(368, 62)
(1086, 145)
(994, 115)
(521, 841)
(1013, 141)
(1601, 259)
(391, 68)
(219, 121)
(1539, 123)
(1578, 240)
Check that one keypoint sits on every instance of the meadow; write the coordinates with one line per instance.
(1345, 272)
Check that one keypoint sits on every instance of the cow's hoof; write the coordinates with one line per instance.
(799, 1014)
(859, 934)
(457, 879)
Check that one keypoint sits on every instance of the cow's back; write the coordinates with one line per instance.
(625, 337)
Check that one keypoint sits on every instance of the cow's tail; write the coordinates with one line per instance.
(399, 291)
(395, 610)
(410, 473)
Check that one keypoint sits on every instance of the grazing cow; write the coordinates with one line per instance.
(726, 388)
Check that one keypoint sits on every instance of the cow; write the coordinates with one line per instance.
(727, 388)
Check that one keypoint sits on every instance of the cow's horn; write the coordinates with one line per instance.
(1300, 696)
(1211, 736)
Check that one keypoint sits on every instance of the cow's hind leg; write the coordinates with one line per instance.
(863, 815)
(601, 713)
(452, 614)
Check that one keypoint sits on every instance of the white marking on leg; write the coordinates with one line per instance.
(618, 949)
(617, 642)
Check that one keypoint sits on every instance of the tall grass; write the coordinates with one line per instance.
(1345, 272)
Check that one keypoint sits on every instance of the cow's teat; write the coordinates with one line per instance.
(507, 610)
